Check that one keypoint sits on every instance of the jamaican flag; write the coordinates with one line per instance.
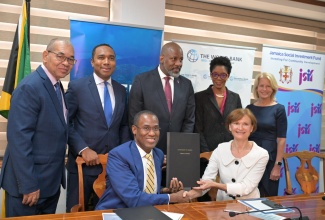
(18, 66)
(19, 60)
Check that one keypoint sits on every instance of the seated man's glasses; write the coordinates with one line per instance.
(60, 57)
(221, 76)
(147, 129)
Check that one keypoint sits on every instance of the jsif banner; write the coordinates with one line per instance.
(300, 76)
(196, 66)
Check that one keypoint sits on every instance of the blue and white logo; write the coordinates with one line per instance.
(192, 55)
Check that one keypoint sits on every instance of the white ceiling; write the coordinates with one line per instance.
(282, 7)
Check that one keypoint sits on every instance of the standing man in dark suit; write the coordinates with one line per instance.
(167, 94)
(98, 121)
(33, 165)
(134, 170)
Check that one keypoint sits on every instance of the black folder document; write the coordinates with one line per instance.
(183, 158)
(141, 213)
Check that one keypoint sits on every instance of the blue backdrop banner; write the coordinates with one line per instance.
(137, 48)
(300, 76)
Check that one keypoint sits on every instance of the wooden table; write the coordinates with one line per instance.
(311, 205)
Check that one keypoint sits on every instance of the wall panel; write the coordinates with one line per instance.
(49, 19)
(204, 22)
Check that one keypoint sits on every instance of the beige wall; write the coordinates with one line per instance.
(185, 20)
(49, 19)
(202, 22)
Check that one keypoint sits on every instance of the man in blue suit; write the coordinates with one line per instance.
(92, 129)
(33, 165)
(129, 181)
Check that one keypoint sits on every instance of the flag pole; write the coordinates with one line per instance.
(28, 21)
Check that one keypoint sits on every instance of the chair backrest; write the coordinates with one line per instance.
(213, 191)
(306, 174)
(100, 183)
(98, 186)
(206, 155)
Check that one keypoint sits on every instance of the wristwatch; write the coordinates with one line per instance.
(278, 163)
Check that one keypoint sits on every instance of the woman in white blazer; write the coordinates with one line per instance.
(240, 163)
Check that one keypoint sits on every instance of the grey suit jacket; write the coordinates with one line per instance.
(209, 122)
(87, 121)
(147, 94)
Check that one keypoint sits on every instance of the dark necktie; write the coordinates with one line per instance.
(107, 104)
(58, 92)
(168, 93)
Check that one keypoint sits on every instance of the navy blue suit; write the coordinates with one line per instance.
(37, 136)
(125, 179)
(88, 127)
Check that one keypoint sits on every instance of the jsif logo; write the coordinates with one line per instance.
(291, 148)
(315, 148)
(315, 109)
(303, 129)
(305, 76)
(293, 108)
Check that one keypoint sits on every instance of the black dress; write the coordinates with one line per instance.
(271, 124)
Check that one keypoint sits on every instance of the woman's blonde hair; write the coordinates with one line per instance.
(270, 77)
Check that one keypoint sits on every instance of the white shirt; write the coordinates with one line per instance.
(144, 163)
(246, 171)
(100, 86)
(163, 81)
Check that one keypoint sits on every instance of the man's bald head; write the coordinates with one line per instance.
(171, 59)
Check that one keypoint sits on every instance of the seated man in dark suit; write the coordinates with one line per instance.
(132, 179)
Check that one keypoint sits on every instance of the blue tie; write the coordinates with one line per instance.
(58, 92)
(107, 104)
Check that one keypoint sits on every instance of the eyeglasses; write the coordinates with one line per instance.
(221, 76)
(62, 58)
(147, 129)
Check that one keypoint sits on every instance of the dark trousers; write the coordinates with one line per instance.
(73, 192)
(268, 187)
(14, 206)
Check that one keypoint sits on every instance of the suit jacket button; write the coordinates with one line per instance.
(233, 180)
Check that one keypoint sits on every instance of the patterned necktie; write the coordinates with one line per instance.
(168, 93)
(150, 182)
(107, 104)
(58, 92)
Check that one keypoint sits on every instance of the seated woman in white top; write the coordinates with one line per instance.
(240, 163)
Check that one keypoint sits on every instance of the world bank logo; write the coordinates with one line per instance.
(192, 55)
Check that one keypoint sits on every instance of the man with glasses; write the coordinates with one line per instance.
(134, 170)
(98, 122)
(33, 166)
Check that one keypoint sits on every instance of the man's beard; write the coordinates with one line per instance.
(171, 73)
